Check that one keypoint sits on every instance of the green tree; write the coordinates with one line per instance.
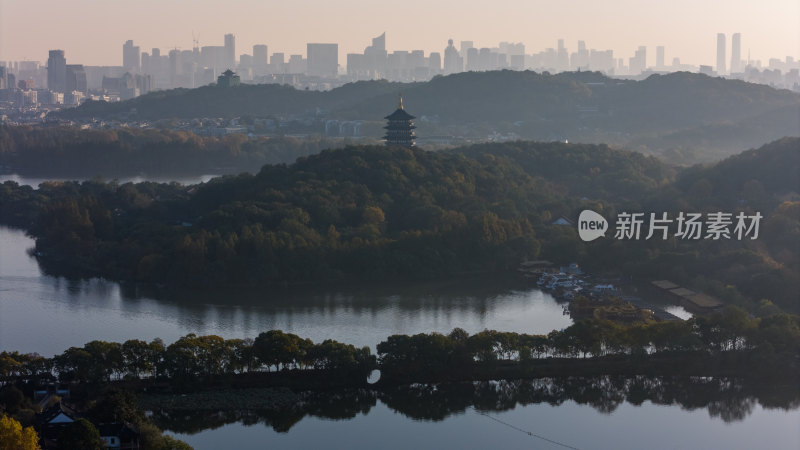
(80, 435)
(276, 348)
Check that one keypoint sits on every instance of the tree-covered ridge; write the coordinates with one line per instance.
(72, 152)
(586, 170)
(661, 101)
(362, 212)
(379, 213)
(757, 177)
(210, 101)
(359, 212)
(765, 181)
(682, 117)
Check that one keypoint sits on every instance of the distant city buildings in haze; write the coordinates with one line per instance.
(30, 83)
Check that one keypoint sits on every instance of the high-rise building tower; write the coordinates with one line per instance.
(323, 60)
(75, 79)
(720, 53)
(435, 63)
(562, 61)
(465, 45)
(452, 61)
(736, 53)
(660, 57)
(638, 63)
(56, 71)
(379, 43)
(260, 62)
(230, 51)
(131, 60)
(399, 127)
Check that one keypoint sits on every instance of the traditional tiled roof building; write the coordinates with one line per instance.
(399, 127)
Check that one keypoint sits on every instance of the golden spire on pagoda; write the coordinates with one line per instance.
(400, 101)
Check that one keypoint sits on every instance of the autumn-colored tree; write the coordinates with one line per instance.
(14, 437)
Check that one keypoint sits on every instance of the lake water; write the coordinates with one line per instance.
(45, 314)
(590, 413)
(647, 426)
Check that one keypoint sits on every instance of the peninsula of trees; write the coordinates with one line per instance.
(378, 213)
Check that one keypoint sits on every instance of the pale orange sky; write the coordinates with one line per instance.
(92, 31)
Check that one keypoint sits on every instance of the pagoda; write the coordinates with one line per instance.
(399, 127)
(228, 79)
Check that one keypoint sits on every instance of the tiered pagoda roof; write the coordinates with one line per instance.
(399, 127)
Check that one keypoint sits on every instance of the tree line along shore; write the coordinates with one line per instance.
(588, 344)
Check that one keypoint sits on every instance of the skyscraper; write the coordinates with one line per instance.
(75, 78)
(638, 63)
(720, 53)
(471, 64)
(562, 62)
(322, 60)
(230, 51)
(452, 62)
(260, 59)
(56, 71)
(435, 63)
(379, 43)
(465, 46)
(660, 57)
(736, 53)
(131, 57)
(375, 58)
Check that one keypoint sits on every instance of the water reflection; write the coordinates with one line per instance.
(729, 400)
(78, 311)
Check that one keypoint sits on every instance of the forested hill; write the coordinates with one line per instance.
(686, 117)
(762, 177)
(358, 212)
(659, 102)
(375, 212)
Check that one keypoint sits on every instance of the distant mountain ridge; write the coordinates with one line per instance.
(682, 116)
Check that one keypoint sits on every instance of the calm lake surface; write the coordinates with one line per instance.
(647, 426)
(574, 412)
(45, 314)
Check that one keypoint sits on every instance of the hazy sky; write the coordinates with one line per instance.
(92, 31)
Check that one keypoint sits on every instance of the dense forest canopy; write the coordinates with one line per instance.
(682, 117)
(378, 212)
(72, 152)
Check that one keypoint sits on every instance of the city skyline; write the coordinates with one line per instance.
(768, 29)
